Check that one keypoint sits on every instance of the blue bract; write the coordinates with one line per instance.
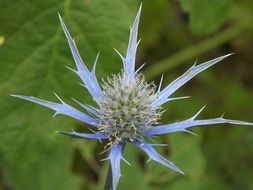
(128, 109)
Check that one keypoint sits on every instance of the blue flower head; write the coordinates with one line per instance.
(128, 109)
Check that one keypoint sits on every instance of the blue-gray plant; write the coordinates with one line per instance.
(128, 109)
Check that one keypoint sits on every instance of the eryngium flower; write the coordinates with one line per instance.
(128, 109)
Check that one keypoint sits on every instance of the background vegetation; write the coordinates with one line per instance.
(33, 56)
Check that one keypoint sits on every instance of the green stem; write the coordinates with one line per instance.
(108, 182)
(196, 50)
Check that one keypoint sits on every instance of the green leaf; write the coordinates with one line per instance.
(184, 150)
(154, 25)
(186, 153)
(33, 60)
(132, 176)
(206, 17)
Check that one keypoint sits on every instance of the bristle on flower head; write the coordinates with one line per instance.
(126, 109)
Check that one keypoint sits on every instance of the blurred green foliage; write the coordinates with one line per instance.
(33, 56)
(206, 17)
(1, 40)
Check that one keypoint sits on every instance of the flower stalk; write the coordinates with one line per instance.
(108, 181)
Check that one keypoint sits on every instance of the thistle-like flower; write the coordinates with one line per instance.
(128, 109)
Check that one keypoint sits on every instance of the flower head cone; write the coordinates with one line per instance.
(128, 109)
